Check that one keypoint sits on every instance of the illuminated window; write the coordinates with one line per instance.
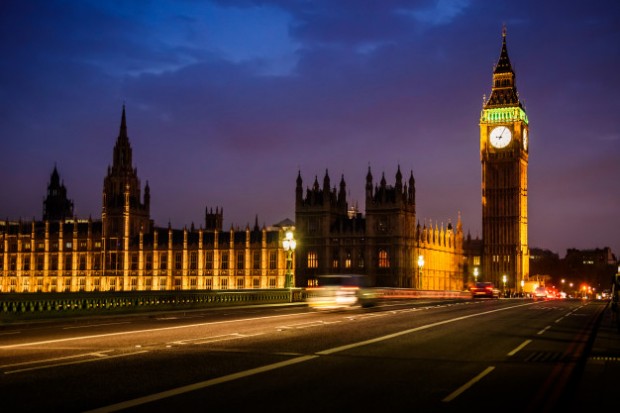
(313, 260)
(384, 259)
(163, 261)
(240, 260)
(224, 262)
(209, 260)
(256, 260)
(208, 284)
(193, 260)
(347, 261)
(335, 260)
(178, 261)
(240, 283)
(272, 260)
(224, 283)
(477, 260)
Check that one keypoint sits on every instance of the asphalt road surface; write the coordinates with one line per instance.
(509, 355)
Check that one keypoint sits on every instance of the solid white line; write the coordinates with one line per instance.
(25, 363)
(95, 325)
(47, 366)
(467, 385)
(543, 330)
(60, 340)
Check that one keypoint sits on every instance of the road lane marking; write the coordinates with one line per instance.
(544, 330)
(230, 377)
(25, 363)
(47, 366)
(95, 325)
(148, 330)
(200, 385)
(214, 339)
(516, 350)
(467, 385)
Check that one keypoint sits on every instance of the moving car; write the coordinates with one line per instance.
(338, 291)
(484, 290)
(540, 293)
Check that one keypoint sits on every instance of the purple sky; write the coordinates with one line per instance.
(227, 100)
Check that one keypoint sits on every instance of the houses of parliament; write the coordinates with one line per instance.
(125, 250)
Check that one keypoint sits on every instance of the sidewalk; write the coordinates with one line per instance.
(600, 382)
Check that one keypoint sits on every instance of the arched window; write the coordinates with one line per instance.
(384, 259)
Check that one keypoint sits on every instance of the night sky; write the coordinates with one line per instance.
(227, 101)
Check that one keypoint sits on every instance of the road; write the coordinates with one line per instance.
(516, 355)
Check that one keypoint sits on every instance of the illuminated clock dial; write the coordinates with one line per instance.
(525, 142)
(500, 137)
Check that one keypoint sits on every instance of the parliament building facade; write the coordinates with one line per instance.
(124, 250)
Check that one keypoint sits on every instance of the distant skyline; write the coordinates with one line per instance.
(227, 101)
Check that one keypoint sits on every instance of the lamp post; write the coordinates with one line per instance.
(420, 265)
(475, 275)
(522, 288)
(504, 279)
(289, 245)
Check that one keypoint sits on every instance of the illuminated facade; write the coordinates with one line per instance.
(386, 243)
(504, 156)
(125, 251)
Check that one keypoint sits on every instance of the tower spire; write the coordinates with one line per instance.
(504, 92)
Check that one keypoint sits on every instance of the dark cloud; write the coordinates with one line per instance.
(345, 85)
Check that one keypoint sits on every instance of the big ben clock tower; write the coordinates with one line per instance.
(504, 157)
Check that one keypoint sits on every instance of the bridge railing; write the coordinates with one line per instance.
(32, 306)
(16, 307)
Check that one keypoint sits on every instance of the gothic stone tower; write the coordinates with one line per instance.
(333, 238)
(504, 158)
(124, 214)
(57, 206)
(391, 230)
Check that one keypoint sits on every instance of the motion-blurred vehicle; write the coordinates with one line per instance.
(338, 291)
(540, 293)
(484, 290)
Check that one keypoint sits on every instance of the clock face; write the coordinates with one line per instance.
(525, 142)
(500, 137)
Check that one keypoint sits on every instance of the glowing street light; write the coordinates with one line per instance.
(475, 274)
(289, 245)
(504, 279)
(420, 265)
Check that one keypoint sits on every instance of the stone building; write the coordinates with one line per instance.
(125, 250)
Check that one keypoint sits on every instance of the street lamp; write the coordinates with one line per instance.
(522, 287)
(475, 274)
(420, 265)
(504, 279)
(289, 245)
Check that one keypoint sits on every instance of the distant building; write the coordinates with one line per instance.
(125, 251)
